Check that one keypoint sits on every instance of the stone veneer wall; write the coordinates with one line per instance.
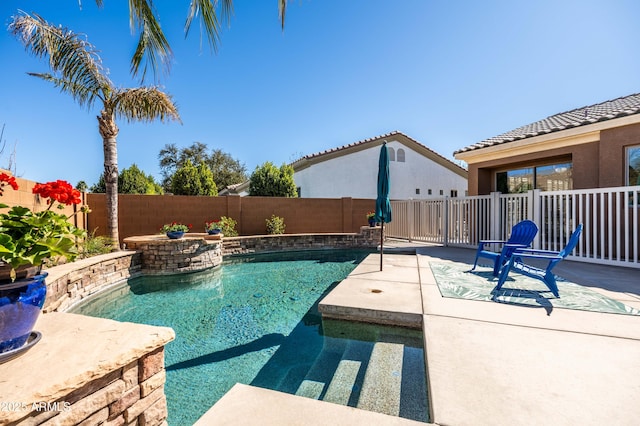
(131, 395)
(369, 237)
(118, 380)
(70, 283)
(163, 256)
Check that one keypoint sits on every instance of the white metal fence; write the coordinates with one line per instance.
(610, 217)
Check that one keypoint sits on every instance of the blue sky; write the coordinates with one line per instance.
(446, 73)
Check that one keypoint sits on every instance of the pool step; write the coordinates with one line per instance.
(383, 380)
(375, 389)
(310, 389)
(344, 379)
(322, 370)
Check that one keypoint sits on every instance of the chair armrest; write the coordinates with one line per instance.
(533, 254)
(535, 251)
(493, 241)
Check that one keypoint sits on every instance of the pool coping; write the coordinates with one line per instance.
(488, 363)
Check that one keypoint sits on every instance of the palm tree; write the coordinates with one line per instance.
(77, 70)
(153, 44)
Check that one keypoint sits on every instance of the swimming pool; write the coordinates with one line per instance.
(255, 321)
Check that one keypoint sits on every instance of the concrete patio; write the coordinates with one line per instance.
(487, 363)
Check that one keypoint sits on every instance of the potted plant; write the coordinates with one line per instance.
(28, 239)
(175, 230)
(371, 218)
(212, 228)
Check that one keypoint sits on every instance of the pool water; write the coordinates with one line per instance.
(255, 321)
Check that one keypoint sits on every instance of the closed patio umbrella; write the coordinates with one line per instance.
(383, 205)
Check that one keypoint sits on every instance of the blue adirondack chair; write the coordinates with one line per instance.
(545, 275)
(522, 235)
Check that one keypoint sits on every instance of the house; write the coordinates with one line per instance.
(352, 170)
(596, 146)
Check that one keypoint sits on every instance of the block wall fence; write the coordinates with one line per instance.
(145, 214)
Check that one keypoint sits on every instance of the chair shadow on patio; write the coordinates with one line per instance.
(515, 296)
(505, 295)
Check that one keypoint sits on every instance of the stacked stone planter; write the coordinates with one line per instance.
(164, 256)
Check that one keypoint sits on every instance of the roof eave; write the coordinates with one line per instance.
(572, 136)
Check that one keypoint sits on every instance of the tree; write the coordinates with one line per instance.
(130, 181)
(77, 70)
(270, 181)
(134, 181)
(82, 186)
(153, 47)
(100, 187)
(193, 180)
(226, 171)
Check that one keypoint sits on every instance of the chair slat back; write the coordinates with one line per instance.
(523, 233)
(573, 242)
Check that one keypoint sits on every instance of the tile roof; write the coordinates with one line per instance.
(343, 147)
(376, 139)
(620, 107)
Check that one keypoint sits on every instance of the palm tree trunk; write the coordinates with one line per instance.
(109, 132)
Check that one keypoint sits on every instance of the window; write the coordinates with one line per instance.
(441, 192)
(556, 177)
(417, 191)
(514, 181)
(299, 191)
(429, 191)
(392, 154)
(633, 165)
(454, 193)
(551, 177)
(400, 155)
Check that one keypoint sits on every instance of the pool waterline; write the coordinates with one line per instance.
(253, 321)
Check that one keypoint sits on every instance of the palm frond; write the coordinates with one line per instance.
(152, 45)
(144, 104)
(83, 95)
(71, 57)
(282, 11)
(212, 13)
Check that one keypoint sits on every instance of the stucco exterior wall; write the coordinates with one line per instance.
(355, 174)
(585, 159)
(613, 144)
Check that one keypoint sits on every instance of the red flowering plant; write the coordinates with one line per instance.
(30, 238)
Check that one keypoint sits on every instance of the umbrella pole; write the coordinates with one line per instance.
(381, 242)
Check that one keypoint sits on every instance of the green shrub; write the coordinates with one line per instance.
(275, 225)
(94, 245)
(228, 226)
